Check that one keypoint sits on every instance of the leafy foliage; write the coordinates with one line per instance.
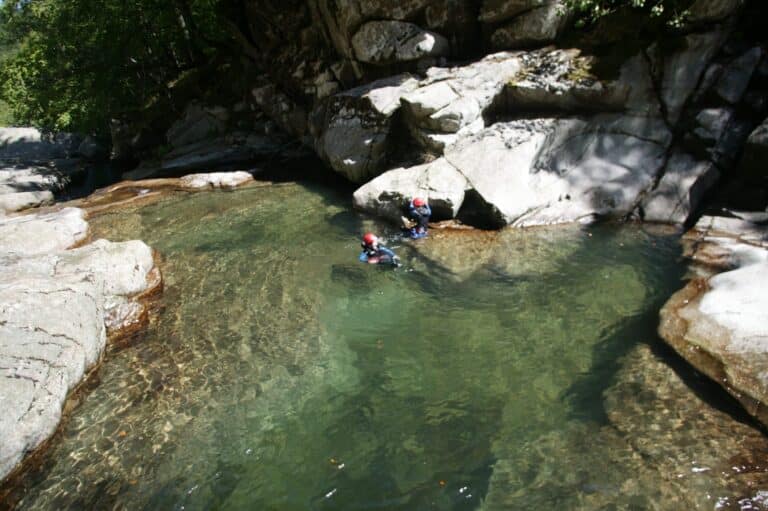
(79, 62)
(671, 12)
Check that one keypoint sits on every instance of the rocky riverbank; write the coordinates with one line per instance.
(720, 323)
(63, 296)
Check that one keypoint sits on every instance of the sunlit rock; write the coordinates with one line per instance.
(388, 42)
(438, 182)
(10, 202)
(41, 233)
(718, 323)
(216, 180)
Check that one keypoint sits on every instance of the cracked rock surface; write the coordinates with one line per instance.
(56, 306)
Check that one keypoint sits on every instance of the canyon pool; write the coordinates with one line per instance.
(517, 369)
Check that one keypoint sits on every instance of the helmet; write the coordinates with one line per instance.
(369, 238)
(419, 202)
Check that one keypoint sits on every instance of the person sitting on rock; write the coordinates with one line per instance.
(375, 253)
(417, 219)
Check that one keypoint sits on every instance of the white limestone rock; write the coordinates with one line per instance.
(216, 180)
(42, 233)
(438, 182)
(11, 202)
(51, 332)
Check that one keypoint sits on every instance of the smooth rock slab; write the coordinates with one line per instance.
(720, 324)
(12, 202)
(41, 233)
(51, 332)
(680, 190)
(55, 307)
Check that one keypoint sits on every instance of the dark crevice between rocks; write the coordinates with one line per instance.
(476, 212)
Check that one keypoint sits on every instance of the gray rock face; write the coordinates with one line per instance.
(388, 42)
(494, 11)
(352, 129)
(223, 152)
(544, 171)
(450, 103)
(718, 323)
(539, 26)
(199, 123)
(564, 170)
(25, 185)
(55, 308)
(680, 190)
(735, 78)
(755, 157)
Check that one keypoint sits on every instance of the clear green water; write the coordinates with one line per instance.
(282, 374)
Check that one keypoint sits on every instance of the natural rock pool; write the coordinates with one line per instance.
(494, 370)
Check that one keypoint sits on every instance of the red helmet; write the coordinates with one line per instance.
(418, 202)
(369, 238)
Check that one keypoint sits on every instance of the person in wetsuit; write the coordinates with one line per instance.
(418, 214)
(375, 253)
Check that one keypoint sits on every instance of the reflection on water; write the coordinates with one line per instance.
(493, 371)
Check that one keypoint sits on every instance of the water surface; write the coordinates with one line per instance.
(282, 374)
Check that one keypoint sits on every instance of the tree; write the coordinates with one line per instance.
(670, 12)
(81, 62)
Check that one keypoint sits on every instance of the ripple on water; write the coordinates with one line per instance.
(495, 370)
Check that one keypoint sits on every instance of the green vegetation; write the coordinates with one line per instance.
(671, 12)
(75, 64)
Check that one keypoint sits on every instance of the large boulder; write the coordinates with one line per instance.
(439, 182)
(450, 102)
(351, 129)
(18, 201)
(541, 171)
(389, 42)
(535, 172)
(51, 332)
